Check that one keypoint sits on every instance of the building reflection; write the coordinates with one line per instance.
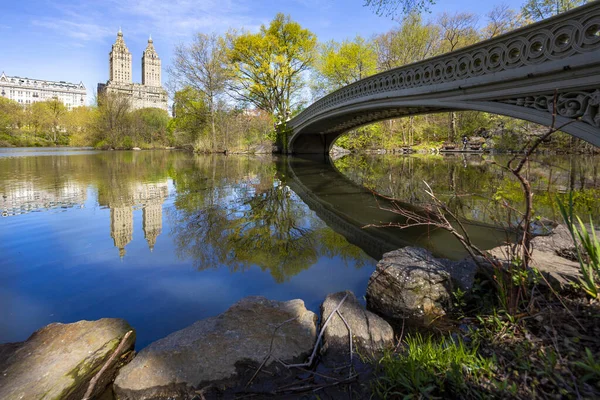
(121, 199)
(26, 198)
(150, 197)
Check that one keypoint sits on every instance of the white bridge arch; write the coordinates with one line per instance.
(516, 74)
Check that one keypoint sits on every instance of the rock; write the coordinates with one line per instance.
(59, 360)
(216, 350)
(559, 239)
(338, 150)
(412, 283)
(546, 255)
(371, 334)
(136, 148)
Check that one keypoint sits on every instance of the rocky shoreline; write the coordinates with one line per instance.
(258, 345)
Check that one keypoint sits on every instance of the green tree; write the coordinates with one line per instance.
(10, 115)
(535, 10)
(341, 64)
(112, 123)
(189, 117)
(268, 66)
(57, 112)
(201, 65)
(413, 41)
(149, 125)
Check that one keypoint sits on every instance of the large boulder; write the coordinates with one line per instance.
(411, 283)
(370, 333)
(59, 360)
(213, 351)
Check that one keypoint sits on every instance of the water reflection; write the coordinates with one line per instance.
(249, 216)
(83, 249)
(150, 197)
(79, 229)
(475, 186)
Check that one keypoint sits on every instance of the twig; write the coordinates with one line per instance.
(96, 377)
(270, 348)
(314, 352)
(349, 339)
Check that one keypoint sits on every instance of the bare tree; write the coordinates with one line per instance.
(395, 8)
(201, 65)
(501, 19)
(458, 30)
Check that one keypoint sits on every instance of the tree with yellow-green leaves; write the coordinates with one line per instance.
(268, 67)
(535, 10)
(341, 64)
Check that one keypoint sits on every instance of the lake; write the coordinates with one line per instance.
(164, 238)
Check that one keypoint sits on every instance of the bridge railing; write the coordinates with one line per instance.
(571, 33)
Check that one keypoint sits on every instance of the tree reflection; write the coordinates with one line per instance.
(474, 187)
(244, 215)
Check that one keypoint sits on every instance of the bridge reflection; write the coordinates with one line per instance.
(347, 208)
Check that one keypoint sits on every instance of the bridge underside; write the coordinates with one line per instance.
(577, 113)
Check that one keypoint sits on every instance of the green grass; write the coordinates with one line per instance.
(431, 368)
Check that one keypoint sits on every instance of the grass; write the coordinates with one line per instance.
(431, 367)
(549, 350)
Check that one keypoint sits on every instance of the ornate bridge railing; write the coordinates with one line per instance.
(555, 44)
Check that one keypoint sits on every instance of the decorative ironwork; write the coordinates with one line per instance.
(578, 104)
(557, 38)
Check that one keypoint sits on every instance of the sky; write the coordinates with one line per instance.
(69, 40)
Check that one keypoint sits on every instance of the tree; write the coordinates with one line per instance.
(202, 66)
(57, 111)
(112, 119)
(413, 41)
(150, 125)
(394, 8)
(501, 19)
(458, 30)
(189, 116)
(10, 114)
(268, 66)
(340, 64)
(535, 10)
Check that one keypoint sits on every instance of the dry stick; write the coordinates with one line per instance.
(95, 379)
(349, 339)
(307, 371)
(314, 353)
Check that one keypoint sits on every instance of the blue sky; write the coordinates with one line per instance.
(70, 40)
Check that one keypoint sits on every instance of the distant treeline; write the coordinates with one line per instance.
(230, 91)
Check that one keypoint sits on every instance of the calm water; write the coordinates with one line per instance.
(163, 239)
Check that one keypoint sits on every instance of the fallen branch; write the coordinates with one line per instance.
(96, 377)
(314, 352)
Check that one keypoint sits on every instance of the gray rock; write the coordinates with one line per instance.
(212, 351)
(59, 360)
(545, 256)
(370, 333)
(559, 239)
(410, 283)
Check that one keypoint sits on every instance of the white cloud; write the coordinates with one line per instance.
(76, 30)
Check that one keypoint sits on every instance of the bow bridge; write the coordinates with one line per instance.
(516, 74)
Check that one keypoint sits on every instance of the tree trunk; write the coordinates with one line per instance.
(452, 132)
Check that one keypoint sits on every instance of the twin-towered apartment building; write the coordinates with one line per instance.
(149, 93)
